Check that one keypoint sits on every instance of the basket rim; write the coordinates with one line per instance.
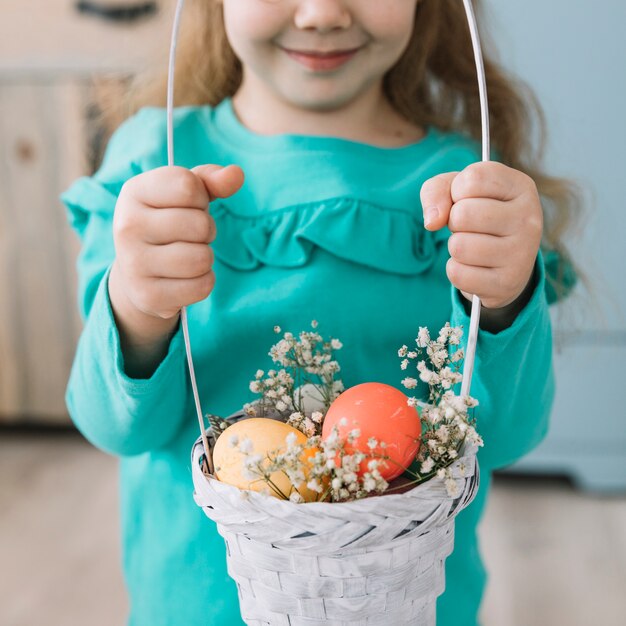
(468, 454)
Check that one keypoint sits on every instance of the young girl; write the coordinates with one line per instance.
(355, 123)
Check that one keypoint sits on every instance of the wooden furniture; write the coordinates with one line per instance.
(54, 57)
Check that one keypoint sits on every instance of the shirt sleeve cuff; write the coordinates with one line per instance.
(173, 358)
(493, 343)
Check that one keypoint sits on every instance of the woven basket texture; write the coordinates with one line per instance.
(379, 560)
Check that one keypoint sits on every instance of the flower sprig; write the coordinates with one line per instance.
(331, 470)
(306, 377)
(445, 420)
(300, 394)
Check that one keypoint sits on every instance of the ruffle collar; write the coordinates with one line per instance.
(352, 229)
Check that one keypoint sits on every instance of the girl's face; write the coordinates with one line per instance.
(317, 54)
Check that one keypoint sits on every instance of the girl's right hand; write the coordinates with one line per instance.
(162, 231)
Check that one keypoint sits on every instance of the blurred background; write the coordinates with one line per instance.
(554, 537)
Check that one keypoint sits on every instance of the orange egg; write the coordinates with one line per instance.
(380, 411)
(266, 435)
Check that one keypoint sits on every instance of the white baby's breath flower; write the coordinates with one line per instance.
(343, 421)
(404, 364)
(441, 473)
(309, 426)
(245, 445)
(443, 433)
(452, 453)
(458, 355)
(369, 484)
(412, 355)
(410, 383)
(423, 337)
(414, 402)
(429, 377)
(451, 487)
(314, 485)
(455, 336)
(427, 465)
(317, 417)
(444, 333)
(402, 351)
(354, 434)
(314, 324)
(277, 329)
(335, 344)
(255, 386)
(281, 406)
(291, 439)
(294, 496)
(372, 443)
(434, 415)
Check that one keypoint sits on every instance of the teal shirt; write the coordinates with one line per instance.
(323, 228)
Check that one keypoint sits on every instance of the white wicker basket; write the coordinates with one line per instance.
(378, 560)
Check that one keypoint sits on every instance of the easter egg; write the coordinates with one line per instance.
(380, 411)
(266, 436)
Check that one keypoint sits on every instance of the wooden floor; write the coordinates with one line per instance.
(556, 557)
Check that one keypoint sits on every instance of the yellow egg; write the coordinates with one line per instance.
(266, 435)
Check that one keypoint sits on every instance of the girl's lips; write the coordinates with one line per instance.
(321, 61)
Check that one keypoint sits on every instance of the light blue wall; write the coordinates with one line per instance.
(573, 53)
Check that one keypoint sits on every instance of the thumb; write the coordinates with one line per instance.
(436, 199)
(220, 182)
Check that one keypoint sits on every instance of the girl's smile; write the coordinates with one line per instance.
(319, 61)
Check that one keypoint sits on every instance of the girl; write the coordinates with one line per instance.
(356, 124)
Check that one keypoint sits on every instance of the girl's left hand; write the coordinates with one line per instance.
(496, 219)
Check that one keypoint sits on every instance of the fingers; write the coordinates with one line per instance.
(496, 286)
(170, 225)
(481, 215)
(219, 182)
(168, 186)
(437, 200)
(488, 182)
(470, 279)
(174, 260)
(489, 179)
(479, 250)
(166, 296)
(173, 186)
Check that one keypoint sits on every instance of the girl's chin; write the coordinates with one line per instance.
(320, 99)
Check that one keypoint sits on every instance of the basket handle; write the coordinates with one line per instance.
(470, 353)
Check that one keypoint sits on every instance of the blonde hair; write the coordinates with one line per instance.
(433, 83)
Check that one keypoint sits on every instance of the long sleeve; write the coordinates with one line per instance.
(513, 378)
(116, 413)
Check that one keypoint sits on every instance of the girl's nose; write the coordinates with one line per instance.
(322, 15)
